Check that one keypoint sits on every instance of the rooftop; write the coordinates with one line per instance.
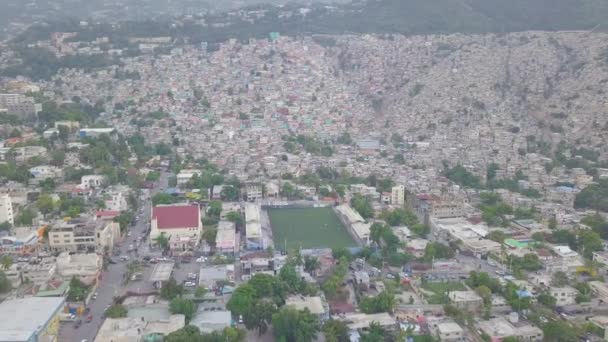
(21, 318)
(313, 304)
(176, 216)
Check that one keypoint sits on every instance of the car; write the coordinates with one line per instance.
(390, 276)
(189, 284)
(240, 319)
(192, 276)
(499, 272)
(124, 258)
(201, 260)
(129, 234)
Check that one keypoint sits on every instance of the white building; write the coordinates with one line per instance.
(398, 195)
(565, 295)
(356, 225)
(79, 265)
(92, 181)
(254, 192)
(225, 241)
(449, 332)
(253, 226)
(180, 223)
(185, 175)
(6, 209)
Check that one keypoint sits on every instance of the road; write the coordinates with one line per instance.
(111, 283)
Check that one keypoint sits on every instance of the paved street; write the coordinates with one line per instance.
(111, 283)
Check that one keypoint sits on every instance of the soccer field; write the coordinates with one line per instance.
(308, 228)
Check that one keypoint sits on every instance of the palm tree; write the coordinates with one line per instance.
(162, 241)
(311, 264)
(6, 261)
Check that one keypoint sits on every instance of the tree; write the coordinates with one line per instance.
(362, 206)
(45, 204)
(5, 226)
(162, 241)
(559, 331)
(230, 193)
(188, 333)
(116, 311)
(78, 291)
(497, 235)
(6, 261)
(215, 208)
(210, 235)
(311, 264)
(5, 284)
(235, 217)
(559, 279)
(291, 325)
(590, 242)
(162, 198)
(335, 331)
(485, 293)
(242, 300)
(375, 333)
(171, 290)
(200, 292)
(383, 302)
(547, 300)
(259, 316)
(437, 250)
(289, 275)
(25, 217)
(183, 306)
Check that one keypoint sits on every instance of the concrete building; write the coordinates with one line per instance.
(34, 319)
(41, 273)
(253, 192)
(253, 227)
(357, 227)
(136, 329)
(225, 240)
(184, 176)
(499, 328)
(95, 132)
(315, 305)
(181, 223)
(449, 332)
(481, 247)
(600, 289)
(72, 237)
(84, 266)
(92, 181)
(6, 209)
(18, 104)
(565, 295)
(466, 300)
(210, 321)
(398, 195)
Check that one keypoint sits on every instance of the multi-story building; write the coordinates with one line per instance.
(6, 209)
(564, 295)
(73, 237)
(225, 241)
(180, 223)
(92, 181)
(18, 104)
(398, 195)
(254, 192)
(450, 331)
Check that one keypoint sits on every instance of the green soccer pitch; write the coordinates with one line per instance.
(308, 228)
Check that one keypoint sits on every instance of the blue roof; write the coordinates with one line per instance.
(564, 188)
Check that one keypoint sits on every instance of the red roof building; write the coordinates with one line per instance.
(176, 216)
(181, 223)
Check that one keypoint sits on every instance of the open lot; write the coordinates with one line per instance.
(308, 228)
(436, 293)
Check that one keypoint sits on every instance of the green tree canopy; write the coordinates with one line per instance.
(291, 325)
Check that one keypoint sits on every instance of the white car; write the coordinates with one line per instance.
(192, 276)
(189, 284)
(201, 260)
